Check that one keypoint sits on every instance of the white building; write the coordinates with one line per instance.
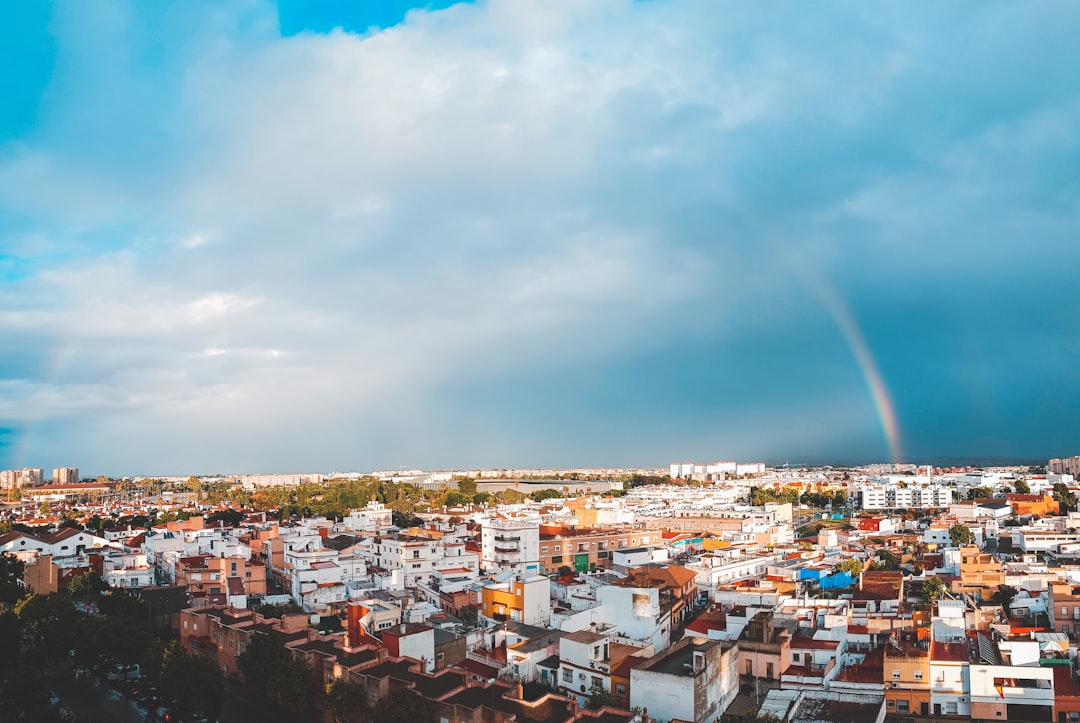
(696, 679)
(510, 543)
(26, 477)
(65, 476)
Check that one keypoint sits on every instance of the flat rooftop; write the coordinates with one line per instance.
(680, 661)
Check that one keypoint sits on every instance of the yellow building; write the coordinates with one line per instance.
(907, 674)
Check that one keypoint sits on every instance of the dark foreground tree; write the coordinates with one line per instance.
(402, 706)
(347, 701)
(192, 684)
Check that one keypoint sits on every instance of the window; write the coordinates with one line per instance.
(558, 548)
(597, 682)
(891, 704)
(415, 554)
(918, 675)
(620, 689)
(568, 675)
(902, 706)
(896, 675)
(543, 549)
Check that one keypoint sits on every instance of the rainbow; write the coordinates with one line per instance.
(841, 315)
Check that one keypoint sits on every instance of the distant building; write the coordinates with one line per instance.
(252, 481)
(1069, 465)
(26, 477)
(65, 476)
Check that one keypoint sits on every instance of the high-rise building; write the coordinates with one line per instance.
(65, 475)
(1069, 465)
(26, 477)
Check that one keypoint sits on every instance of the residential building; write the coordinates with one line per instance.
(521, 599)
(906, 669)
(510, 543)
(694, 680)
(765, 646)
(584, 549)
(26, 477)
(65, 476)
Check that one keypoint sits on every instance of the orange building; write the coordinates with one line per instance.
(206, 575)
(1038, 505)
(907, 674)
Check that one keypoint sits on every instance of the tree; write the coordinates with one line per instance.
(961, 535)
(1004, 595)
(979, 493)
(347, 701)
(194, 484)
(466, 486)
(11, 575)
(230, 517)
(191, 683)
(268, 665)
(457, 499)
(87, 585)
(481, 498)
(50, 624)
(1066, 500)
(600, 697)
(1022, 487)
(469, 614)
(852, 567)
(885, 560)
(402, 706)
(545, 494)
(932, 588)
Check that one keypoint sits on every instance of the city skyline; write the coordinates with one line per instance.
(258, 236)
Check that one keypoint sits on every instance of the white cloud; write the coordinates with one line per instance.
(353, 225)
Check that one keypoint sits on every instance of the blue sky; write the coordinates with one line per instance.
(335, 235)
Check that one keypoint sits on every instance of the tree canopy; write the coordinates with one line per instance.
(961, 535)
(402, 706)
(932, 588)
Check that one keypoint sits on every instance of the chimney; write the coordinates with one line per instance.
(354, 628)
(520, 692)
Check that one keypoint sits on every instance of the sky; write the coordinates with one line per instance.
(248, 236)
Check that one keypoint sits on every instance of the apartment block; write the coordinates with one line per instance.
(583, 549)
(511, 543)
(26, 477)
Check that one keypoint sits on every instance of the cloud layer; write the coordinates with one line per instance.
(520, 233)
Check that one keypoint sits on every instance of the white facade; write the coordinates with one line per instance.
(636, 613)
(695, 680)
(65, 476)
(910, 495)
(26, 477)
(510, 543)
